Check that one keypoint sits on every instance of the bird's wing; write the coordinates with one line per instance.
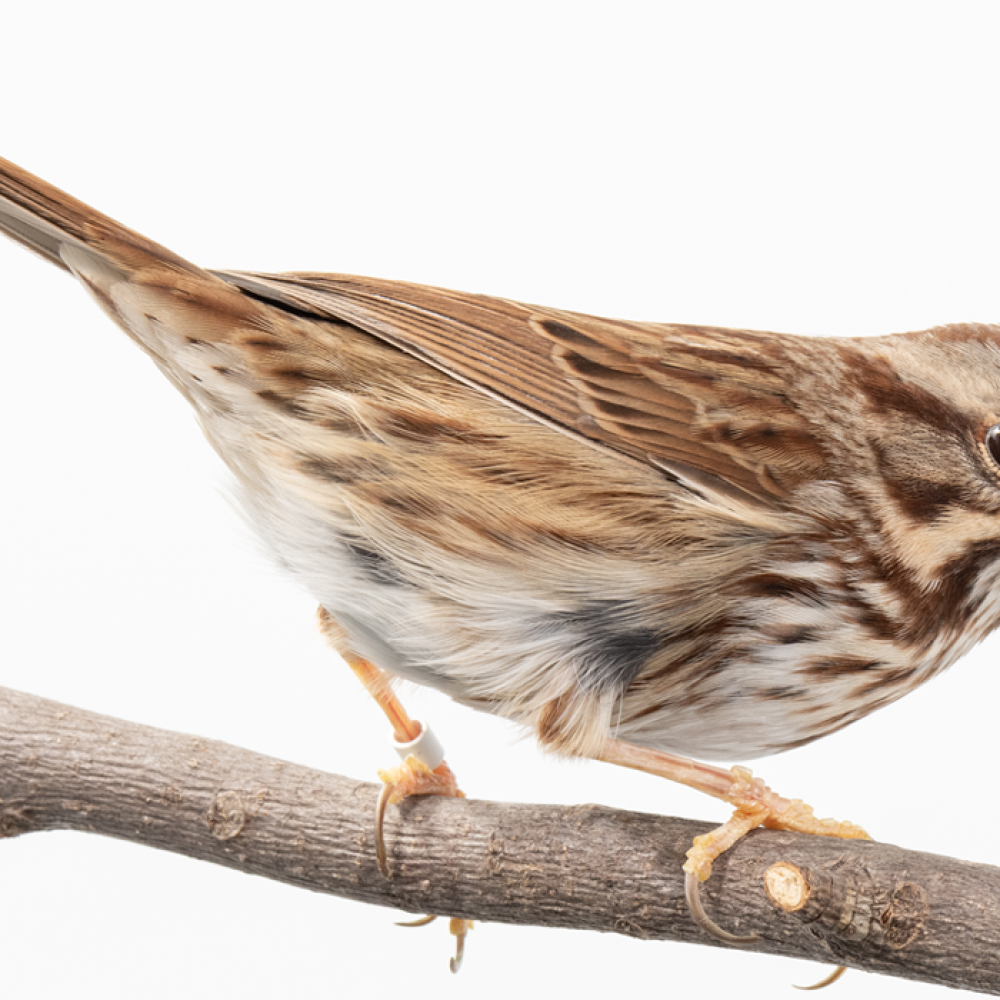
(707, 406)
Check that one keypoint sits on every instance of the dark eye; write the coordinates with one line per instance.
(992, 442)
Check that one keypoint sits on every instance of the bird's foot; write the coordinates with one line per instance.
(756, 805)
(412, 777)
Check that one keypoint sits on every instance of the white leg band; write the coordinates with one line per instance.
(426, 747)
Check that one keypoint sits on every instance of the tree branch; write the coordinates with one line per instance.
(870, 906)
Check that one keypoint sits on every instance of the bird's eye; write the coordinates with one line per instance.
(992, 442)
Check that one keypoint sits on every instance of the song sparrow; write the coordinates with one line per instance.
(634, 539)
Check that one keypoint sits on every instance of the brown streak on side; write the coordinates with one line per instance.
(283, 403)
(426, 427)
(774, 585)
(837, 666)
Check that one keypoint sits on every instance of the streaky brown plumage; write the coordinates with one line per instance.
(721, 543)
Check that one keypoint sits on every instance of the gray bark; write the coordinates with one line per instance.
(870, 906)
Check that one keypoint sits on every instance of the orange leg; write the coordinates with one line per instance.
(419, 774)
(414, 776)
(755, 805)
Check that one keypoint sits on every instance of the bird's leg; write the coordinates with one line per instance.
(755, 805)
(415, 776)
(423, 771)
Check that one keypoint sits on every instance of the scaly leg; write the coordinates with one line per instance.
(755, 805)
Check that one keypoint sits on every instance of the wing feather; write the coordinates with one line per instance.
(705, 405)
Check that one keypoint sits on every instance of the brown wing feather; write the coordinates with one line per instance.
(707, 406)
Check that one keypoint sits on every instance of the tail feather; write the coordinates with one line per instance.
(163, 302)
(46, 220)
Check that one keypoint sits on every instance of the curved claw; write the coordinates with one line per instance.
(412, 777)
(460, 928)
(692, 894)
(828, 981)
(430, 918)
(381, 856)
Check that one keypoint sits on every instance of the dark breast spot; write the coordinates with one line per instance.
(608, 640)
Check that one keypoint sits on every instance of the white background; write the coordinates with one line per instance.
(827, 169)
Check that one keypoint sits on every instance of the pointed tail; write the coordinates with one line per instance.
(47, 221)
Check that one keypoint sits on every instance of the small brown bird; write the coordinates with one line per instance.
(637, 540)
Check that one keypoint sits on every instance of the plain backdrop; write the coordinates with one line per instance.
(810, 168)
